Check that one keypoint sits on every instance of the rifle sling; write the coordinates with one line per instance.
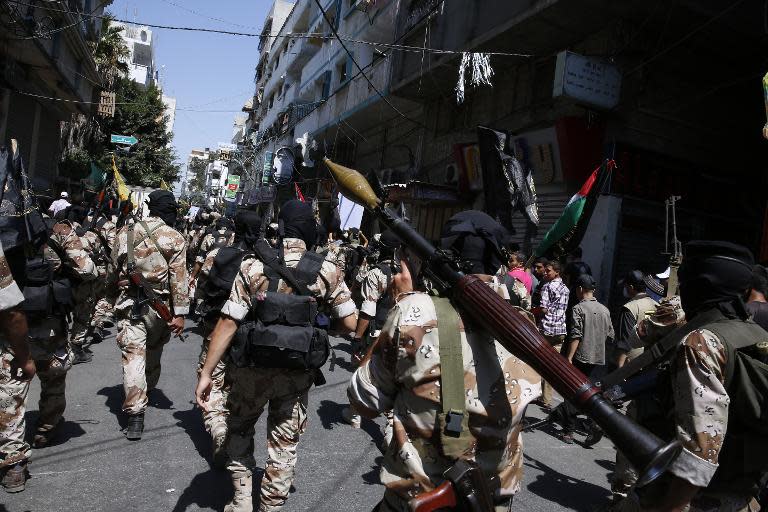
(451, 358)
(270, 260)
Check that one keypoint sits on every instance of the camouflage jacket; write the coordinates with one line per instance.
(210, 240)
(373, 287)
(164, 270)
(700, 405)
(10, 293)
(330, 288)
(403, 374)
(77, 259)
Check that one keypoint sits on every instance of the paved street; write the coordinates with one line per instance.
(91, 467)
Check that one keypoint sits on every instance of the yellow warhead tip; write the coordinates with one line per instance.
(353, 185)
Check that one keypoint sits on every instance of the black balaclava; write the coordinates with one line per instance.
(477, 239)
(62, 214)
(298, 221)
(713, 274)
(225, 224)
(247, 227)
(162, 204)
(388, 244)
(76, 214)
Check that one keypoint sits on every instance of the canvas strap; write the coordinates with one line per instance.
(451, 358)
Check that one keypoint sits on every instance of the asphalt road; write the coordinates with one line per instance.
(92, 467)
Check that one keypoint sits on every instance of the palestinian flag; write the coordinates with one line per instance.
(566, 234)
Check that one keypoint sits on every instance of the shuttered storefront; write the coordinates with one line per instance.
(429, 220)
(550, 208)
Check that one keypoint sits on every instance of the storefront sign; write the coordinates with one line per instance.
(587, 79)
(233, 185)
(267, 169)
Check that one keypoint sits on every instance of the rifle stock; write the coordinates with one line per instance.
(152, 299)
(647, 453)
(442, 497)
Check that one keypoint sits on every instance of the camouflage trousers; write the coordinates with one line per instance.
(215, 418)
(141, 342)
(13, 406)
(84, 296)
(285, 393)
(53, 359)
(104, 309)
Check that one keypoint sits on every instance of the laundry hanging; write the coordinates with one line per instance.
(480, 73)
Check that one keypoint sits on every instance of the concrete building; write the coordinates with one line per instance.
(47, 75)
(141, 59)
(170, 110)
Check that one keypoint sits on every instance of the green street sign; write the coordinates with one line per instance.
(126, 140)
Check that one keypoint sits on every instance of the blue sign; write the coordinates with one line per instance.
(126, 140)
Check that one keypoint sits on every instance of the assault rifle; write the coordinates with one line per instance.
(649, 454)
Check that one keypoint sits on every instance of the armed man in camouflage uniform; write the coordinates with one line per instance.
(48, 330)
(404, 374)
(105, 231)
(707, 399)
(284, 390)
(17, 367)
(85, 294)
(246, 227)
(159, 254)
(222, 236)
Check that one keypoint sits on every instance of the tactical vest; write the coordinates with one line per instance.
(639, 307)
(743, 458)
(281, 329)
(386, 302)
(47, 292)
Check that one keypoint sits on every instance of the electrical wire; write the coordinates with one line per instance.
(360, 69)
(192, 11)
(291, 35)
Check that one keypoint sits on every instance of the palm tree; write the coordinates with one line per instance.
(110, 53)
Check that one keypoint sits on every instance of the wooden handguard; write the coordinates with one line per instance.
(442, 497)
(520, 337)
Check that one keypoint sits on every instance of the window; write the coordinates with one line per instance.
(341, 71)
(271, 100)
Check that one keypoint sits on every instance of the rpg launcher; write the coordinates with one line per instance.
(648, 454)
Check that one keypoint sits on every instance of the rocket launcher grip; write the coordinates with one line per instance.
(647, 453)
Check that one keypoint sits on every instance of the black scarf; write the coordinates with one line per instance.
(477, 239)
(247, 226)
(162, 204)
(714, 273)
(298, 221)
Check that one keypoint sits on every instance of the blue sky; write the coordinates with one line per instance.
(202, 71)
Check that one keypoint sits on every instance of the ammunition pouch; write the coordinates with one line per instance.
(46, 293)
(283, 334)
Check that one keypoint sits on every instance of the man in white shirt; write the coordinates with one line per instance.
(59, 204)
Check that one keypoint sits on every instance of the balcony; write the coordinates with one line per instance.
(301, 51)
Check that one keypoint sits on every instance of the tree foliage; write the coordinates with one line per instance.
(110, 53)
(140, 112)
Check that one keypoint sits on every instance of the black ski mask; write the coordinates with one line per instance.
(247, 226)
(714, 273)
(477, 239)
(298, 221)
(162, 204)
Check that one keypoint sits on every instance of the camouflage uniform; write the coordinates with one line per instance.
(13, 392)
(700, 421)
(141, 340)
(284, 391)
(209, 242)
(404, 374)
(215, 418)
(103, 311)
(86, 294)
(48, 335)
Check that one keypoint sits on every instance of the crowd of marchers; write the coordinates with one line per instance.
(267, 289)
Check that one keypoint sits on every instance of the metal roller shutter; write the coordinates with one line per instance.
(551, 206)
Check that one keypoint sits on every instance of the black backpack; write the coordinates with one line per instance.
(218, 286)
(281, 330)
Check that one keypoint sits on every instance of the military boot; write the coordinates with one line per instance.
(242, 501)
(81, 355)
(135, 427)
(15, 477)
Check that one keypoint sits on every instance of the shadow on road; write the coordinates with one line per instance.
(564, 490)
(114, 402)
(372, 476)
(330, 414)
(191, 421)
(208, 491)
(158, 400)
